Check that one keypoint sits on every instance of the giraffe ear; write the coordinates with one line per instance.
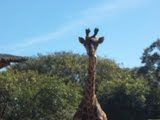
(100, 40)
(81, 40)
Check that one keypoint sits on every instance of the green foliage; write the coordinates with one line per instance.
(38, 96)
(151, 61)
(123, 97)
(106, 70)
(49, 87)
(60, 64)
(151, 72)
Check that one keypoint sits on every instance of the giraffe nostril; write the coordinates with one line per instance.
(92, 39)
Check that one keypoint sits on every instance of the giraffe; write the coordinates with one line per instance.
(89, 108)
(6, 59)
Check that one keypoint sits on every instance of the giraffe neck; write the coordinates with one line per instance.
(90, 82)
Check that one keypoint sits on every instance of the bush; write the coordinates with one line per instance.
(38, 96)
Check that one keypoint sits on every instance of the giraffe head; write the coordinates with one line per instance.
(91, 42)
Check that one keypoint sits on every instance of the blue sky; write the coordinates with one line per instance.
(28, 27)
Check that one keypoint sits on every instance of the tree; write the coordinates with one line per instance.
(62, 64)
(151, 61)
(151, 72)
(124, 97)
(51, 86)
(37, 96)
